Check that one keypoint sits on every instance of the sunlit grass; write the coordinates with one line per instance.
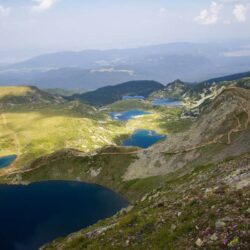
(44, 128)
(14, 91)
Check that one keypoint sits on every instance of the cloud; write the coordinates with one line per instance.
(162, 10)
(229, 1)
(210, 15)
(4, 11)
(240, 12)
(42, 5)
(227, 22)
(235, 1)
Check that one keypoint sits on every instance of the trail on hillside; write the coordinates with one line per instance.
(32, 169)
(239, 128)
(13, 133)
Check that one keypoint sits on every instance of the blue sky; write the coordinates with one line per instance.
(30, 27)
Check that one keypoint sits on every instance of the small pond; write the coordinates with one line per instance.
(143, 138)
(7, 160)
(167, 102)
(127, 97)
(125, 116)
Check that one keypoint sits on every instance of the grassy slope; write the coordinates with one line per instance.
(44, 128)
(42, 132)
(13, 91)
(106, 167)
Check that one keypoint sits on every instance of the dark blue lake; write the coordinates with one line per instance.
(7, 160)
(35, 214)
(143, 138)
(124, 116)
(166, 102)
(127, 97)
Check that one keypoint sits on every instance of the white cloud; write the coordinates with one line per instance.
(240, 12)
(42, 5)
(162, 10)
(210, 15)
(4, 11)
(229, 1)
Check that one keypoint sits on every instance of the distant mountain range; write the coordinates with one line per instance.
(92, 69)
(229, 77)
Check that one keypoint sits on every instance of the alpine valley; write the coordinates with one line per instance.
(173, 160)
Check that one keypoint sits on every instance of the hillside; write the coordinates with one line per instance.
(196, 96)
(34, 123)
(175, 89)
(64, 92)
(13, 95)
(207, 141)
(229, 77)
(207, 208)
(110, 94)
(189, 192)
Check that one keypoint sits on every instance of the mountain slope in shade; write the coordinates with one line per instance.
(110, 94)
(229, 77)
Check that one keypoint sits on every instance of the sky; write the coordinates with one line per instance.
(31, 27)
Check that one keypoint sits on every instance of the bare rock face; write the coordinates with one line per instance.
(222, 130)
